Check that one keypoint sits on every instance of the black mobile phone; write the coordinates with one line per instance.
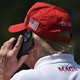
(27, 42)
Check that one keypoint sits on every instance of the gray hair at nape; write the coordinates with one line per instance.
(48, 47)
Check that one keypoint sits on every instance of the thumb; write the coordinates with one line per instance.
(22, 60)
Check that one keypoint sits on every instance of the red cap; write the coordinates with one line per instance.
(46, 20)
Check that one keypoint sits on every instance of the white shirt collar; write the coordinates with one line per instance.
(55, 58)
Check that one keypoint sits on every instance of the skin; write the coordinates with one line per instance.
(9, 63)
(33, 56)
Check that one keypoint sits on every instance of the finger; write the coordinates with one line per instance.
(22, 60)
(18, 45)
(8, 44)
(1, 57)
(6, 47)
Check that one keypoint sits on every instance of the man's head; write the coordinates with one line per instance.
(51, 27)
(47, 21)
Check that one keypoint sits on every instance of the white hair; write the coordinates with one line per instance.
(48, 47)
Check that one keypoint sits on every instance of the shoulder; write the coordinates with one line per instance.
(26, 74)
(75, 76)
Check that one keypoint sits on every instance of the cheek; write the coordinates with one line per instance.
(29, 61)
(32, 57)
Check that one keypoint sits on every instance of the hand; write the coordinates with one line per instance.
(9, 64)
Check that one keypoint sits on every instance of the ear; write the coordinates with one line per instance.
(34, 49)
(35, 46)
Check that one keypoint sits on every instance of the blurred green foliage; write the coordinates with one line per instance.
(14, 11)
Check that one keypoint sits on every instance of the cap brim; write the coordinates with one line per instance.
(17, 28)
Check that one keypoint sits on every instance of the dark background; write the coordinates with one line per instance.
(14, 11)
